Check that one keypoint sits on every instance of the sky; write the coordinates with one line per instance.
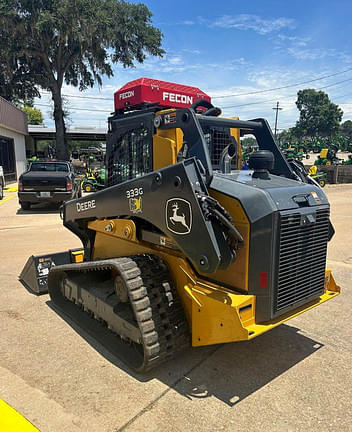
(237, 53)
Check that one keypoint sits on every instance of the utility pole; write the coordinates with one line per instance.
(277, 111)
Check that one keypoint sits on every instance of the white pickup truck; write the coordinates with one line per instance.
(2, 183)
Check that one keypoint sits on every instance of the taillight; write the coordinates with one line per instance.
(263, 279)
(20, 185)
(68, 184)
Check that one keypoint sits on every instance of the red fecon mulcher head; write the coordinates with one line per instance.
(143, 91)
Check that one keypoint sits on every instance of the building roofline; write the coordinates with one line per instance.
(12, 117)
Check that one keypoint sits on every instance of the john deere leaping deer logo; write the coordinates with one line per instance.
(178, 216)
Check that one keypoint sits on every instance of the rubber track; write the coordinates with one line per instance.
(154, 302)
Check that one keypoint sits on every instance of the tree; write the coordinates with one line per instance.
(17, 81)
(79, 144)
(318, 115)
(248, 142)
(73, 42)
(346, 129)
(286, 135)
(34, 115)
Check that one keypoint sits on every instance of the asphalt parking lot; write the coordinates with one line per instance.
(296, 377)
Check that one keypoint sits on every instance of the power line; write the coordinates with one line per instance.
(225, 107)
(233, 95)
(224, 96)
(293, 95)
(82, 97)
(283, 87)
(78, 109)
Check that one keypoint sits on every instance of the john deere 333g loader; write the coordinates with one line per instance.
(182, 247)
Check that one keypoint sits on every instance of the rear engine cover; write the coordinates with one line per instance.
(289, 233)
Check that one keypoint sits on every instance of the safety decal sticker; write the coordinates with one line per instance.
(134, 197)
(178, 216)
(44, 266)
(135, 205)
(170, 118)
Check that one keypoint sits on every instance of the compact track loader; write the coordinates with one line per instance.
(182, 247)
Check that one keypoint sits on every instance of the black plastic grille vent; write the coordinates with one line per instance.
(302, 258)
(131, 156)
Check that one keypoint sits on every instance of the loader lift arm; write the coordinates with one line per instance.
(175, 200)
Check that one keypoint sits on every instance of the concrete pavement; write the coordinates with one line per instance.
(296, 377)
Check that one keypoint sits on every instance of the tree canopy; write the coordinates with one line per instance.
(46, 43)
(286, 135)
(317, 114)
(34, 115)
(346, 129)
(17, 83)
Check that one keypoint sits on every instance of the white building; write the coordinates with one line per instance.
(13, 129)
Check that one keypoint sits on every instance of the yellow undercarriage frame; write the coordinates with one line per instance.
(215, 314)
(220, 316)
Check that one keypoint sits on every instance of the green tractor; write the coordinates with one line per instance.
(319, 176)
(93, 180)
(328, 156)
(300, 147)
(317, 144)
(293, 153)
(348, 161)
(246, 152)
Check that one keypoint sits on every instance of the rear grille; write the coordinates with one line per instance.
(302, 259)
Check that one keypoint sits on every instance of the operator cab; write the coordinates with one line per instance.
(158, 123)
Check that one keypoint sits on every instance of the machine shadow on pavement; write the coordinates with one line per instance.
(229, 372)
(237, 370)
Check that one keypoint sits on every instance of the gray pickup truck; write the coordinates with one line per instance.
(48, 182)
